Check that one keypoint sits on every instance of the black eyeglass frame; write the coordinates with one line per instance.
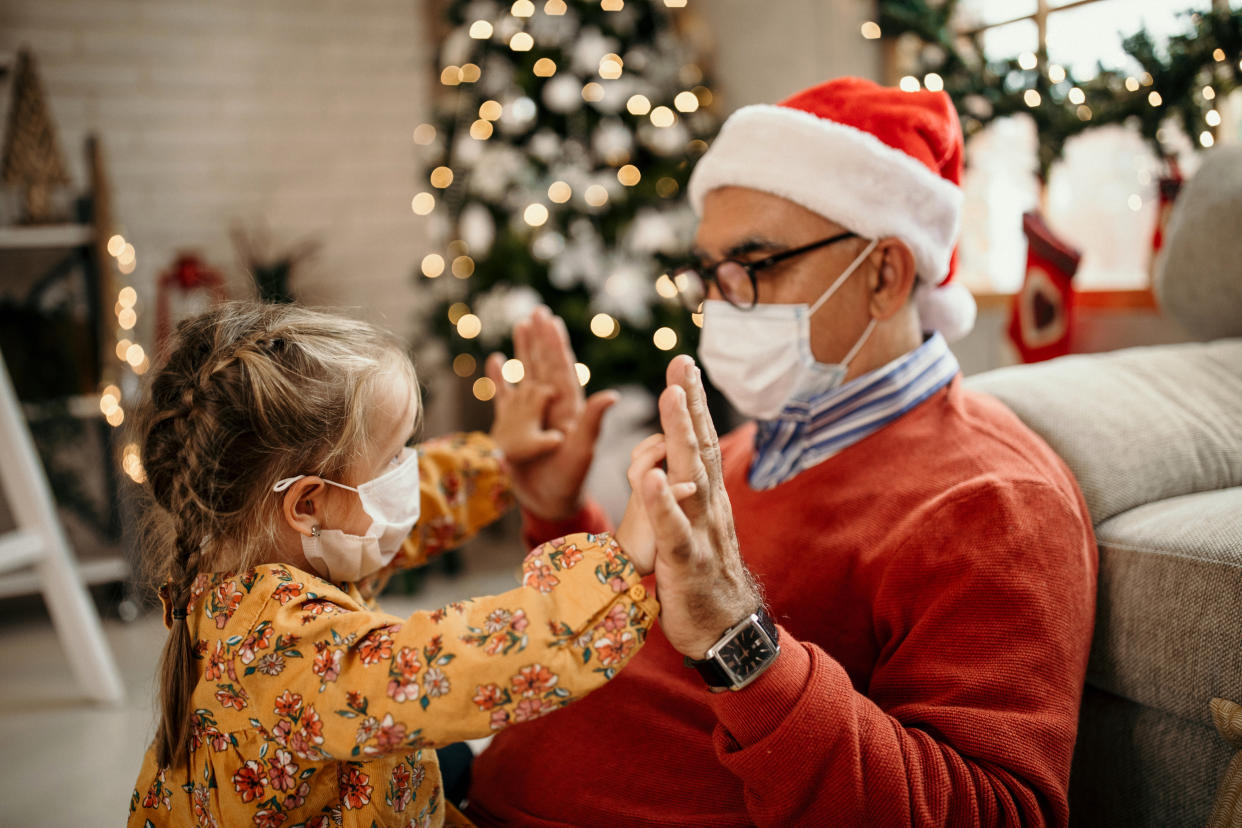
(707, 274)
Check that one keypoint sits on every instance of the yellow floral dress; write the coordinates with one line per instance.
(313, 708)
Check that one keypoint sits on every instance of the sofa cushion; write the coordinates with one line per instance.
(1167, 627)
(1138, 425)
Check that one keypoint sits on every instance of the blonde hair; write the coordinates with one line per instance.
(248, 394)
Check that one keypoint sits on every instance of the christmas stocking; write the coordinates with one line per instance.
(1039, 323)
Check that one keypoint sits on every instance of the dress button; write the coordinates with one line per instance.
(638, 592)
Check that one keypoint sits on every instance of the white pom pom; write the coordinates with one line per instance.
(949, 309)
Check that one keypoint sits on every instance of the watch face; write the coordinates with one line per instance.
(748, 650)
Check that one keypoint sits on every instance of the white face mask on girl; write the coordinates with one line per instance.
(390, 500)
(760, 358)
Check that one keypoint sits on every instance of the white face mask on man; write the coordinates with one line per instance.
(391, 501)
(761, 357)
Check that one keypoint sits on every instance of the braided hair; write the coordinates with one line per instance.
(249, 393)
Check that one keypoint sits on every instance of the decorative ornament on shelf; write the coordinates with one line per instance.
(188, 287)
(567, 157)
(31, 160)
(271, 269)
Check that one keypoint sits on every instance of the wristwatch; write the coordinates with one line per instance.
(742, 654)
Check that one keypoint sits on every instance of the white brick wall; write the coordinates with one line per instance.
(296, 112)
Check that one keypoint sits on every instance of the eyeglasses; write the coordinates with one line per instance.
(737, 280)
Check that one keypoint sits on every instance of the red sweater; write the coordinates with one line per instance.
(935, 586)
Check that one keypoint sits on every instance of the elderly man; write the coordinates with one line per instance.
(877, 608)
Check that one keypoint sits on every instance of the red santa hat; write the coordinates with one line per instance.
(876, 160)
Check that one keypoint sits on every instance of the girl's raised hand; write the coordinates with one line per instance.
(517, 424)
(635, 533)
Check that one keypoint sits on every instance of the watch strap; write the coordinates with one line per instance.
(712, 671)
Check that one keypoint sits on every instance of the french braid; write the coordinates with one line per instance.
(249, 393)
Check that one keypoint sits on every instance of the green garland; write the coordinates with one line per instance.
(984, 90)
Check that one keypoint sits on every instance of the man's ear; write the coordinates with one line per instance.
(302, 504)
(893, 279)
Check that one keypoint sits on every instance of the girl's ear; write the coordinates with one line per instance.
(302, 505)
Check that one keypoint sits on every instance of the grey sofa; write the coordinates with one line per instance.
(1154, 437)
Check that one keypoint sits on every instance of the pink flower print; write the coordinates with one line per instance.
(570, 555)
(366, 730)
(249, 781)
(487, 696)
(225, 601)
(496, 643)
(436, 682)
(618, 584)
(497, 620)
(390, 736)
(534, 680)
(519, 621)
(228, 696)
(281, 770)
(500, 719)
(327, 662)
(616, 619)
(215, 663)
(401, 795)
(271, 664)
(530, 708)
(615, 648)
(298, 798)
(288, 703)
(256, 641)
(402, 691)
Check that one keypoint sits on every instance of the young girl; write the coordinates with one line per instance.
(274, 444)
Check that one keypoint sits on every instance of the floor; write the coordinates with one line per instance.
(68, 762)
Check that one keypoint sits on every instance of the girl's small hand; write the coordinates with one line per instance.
(635, 534)
(517, 424)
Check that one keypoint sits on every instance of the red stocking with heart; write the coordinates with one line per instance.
(1039, 323)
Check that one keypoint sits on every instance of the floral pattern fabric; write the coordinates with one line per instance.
(313, 708)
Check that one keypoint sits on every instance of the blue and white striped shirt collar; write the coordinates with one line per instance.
(817, 426)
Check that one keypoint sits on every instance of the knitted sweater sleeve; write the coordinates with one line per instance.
(983, 622)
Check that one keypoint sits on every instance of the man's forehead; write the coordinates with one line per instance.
(739, 217)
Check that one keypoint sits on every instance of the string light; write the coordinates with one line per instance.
(127, 256)
(871, 30)
(1209, 94)
(1056, 73)
(1148, 80)
(424, 134)
(423, 203)
(463, 267)
(134, 355)
(610, 66)
(1218, 55)
(933, 82)
(1031, 98)
(115, 245)
(1154, 98)
(481, 130)
(1206, 140)
(638, 105)
(1212, 117)
(593, 92)
(1084, 113)
(126, 267)
(433, 265)
(584, 373)
(667, 187)
(612, 5)
(605, 326)
(131, 462)
(513, 371)
(909, 84)
(555, 7)
(559, 192)
(469, 326)
(128, 297)
(490, 110)
(675, 4)
(441, 177)
(665, 338)
(115, 417)
(1077, 96)
(521, 42)
(1135, 202)
(470, 73)
(1028, 60)
(450, 75)
(127, 319)
(463, 365)
(456, 311)
(522, 8)
(480, 30)
(109, 399)
(544, 68)
(697, 319)
(629, 175)
(662, 116)
(665, 287)
(1132, 84)
(535, 215)
(122, 348)
(704, 95)
(596, 195)
(484, 389)
(686, 101)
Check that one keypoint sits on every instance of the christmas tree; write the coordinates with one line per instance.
(562, 142)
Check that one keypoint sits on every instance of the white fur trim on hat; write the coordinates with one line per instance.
(839, 172)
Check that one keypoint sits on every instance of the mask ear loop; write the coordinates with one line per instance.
(845, 274)
(281, 485)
